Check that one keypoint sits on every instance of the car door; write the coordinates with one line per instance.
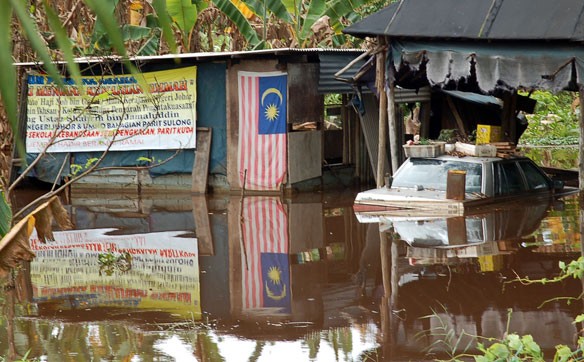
(535, 178)
(508, 178)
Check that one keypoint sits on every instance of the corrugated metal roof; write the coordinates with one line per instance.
(331, 61)
(330, 64)
(532, 20)
(213, 55)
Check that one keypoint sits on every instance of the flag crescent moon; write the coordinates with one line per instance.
(270, 91)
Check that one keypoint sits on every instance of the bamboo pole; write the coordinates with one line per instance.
(380, 85)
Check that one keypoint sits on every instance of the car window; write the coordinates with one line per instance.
(432, 174)
(508, 179)
(536, 180)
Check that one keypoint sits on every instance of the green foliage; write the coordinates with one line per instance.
(338, 10)
(511, 348)
(164, 21)
(447, 340)
(558, 157)
(300, 16)
(145, 159)
(5, 215)
(523, 348)
(111, 261)
(244, 26)
(332, 99)
(64, 43)
(554, 122)
(574, 269)
(448, 135)
(184, 14)
(315, 11)
(276, 7)
(23, 359)
(77, 169)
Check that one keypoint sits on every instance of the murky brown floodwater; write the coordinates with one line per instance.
(287, 280)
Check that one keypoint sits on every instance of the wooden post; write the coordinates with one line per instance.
(385, 305)
(380, 85)
(394, 272)
(384, 250)
(346, 130)
(425, 121)
(512, 118)
(581, 141)
(388, 250)
(392, 123)
(201, 164)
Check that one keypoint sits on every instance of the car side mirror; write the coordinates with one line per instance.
(558, 185)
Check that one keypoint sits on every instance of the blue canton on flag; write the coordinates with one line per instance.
(276, 280)
(272, 104)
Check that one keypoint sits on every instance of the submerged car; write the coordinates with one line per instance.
(420, 185)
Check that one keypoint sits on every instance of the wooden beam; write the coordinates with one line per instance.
(457, 117)
(395, 145)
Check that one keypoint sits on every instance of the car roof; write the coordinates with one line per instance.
(473, 159)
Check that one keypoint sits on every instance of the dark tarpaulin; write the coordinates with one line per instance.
(497, 65)
(50, 168)
(476, 98)
(512, 43)
(538, 20)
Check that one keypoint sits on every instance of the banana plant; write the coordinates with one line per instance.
(5, 215)
(230, 10)
(149, 36)
(300, 15)
(184, 15)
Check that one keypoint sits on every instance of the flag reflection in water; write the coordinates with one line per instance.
(266, 267)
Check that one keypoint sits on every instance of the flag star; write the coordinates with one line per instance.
(272, 112)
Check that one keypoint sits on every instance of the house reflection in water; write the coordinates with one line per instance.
(237, 260)
(271, 247)
(298, 271)
(460, 275)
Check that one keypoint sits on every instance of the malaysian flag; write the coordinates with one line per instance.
(265, 263)
(262, 130)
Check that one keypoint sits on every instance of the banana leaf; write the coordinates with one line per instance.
(240, 21)
(276, 7)
(5, 216)
(340, 9)
(315, 11)
(184, 15)
(165, 23)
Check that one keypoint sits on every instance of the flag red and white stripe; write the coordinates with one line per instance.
(261, 157)
(264, 230)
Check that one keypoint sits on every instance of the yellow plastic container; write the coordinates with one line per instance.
(488, 134)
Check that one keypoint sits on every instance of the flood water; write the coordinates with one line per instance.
(172, 277)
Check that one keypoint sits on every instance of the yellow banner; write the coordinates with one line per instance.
(114, 112)
(162, 270)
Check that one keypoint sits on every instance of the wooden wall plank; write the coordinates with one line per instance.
(201, 166)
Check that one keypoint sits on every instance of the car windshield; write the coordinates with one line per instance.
(431, 174)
